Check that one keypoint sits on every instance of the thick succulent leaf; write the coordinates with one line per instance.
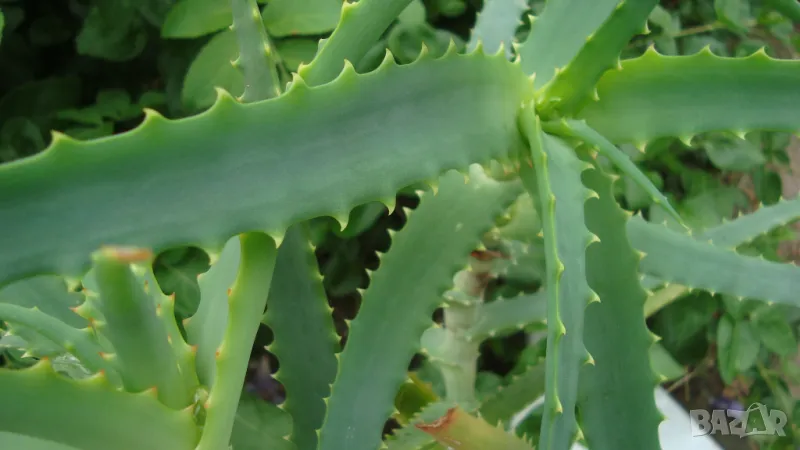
(131, 322)
(509, 400)
(581, 130)
(618, 387)
(206, 328)
(49, 294)
(748, 227)
(246, 304)
(301, 17)
(399, 302)
(496, 25)
(727, 235)
(508, 315)
(559, 33)
(713, 268)
(40, 403)
(255, 53)
(360, 26)
(572, 85)
(459, 430)
(203, 179)
(557, 181)
(657, 96)
(305, 341)
(80, 343)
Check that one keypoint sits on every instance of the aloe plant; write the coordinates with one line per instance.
(503, 144)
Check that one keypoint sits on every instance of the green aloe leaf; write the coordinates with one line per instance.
(496, 25)
(713, 268)
(132, 323)
(618, 387)
(514, 397)
(408, 286)
(555, 178)
(559, 33)
(245, 304)
(181, 188)
(305, 341)
(658, 96)
(571, 86)
(584, 132)
(748, 227)
(509, 315)
(206, 327)
(40, 403)
(255, 53)
(48, 293)
(81, 343)
(360, 26)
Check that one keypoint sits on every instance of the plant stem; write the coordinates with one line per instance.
(246, 304)
(462, 313)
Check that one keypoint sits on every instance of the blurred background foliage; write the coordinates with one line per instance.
(87, 68)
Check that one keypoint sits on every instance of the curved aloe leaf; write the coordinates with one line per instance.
(260, 72)
(508, 315)
(657, 96)
(80, 343)
(727, 235)
(509, 400)
(713, 268)
(131, 322)
(572, 85)
(496, 25)
(748, 227)
(584, 132)
(203, 179)
(559, 33)
(246, 304)
(401, 297)
(206, 328)
(40, 403)
(557, 181)
(50, 294)
(305, 341)
(618, 387)
(360, 26)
